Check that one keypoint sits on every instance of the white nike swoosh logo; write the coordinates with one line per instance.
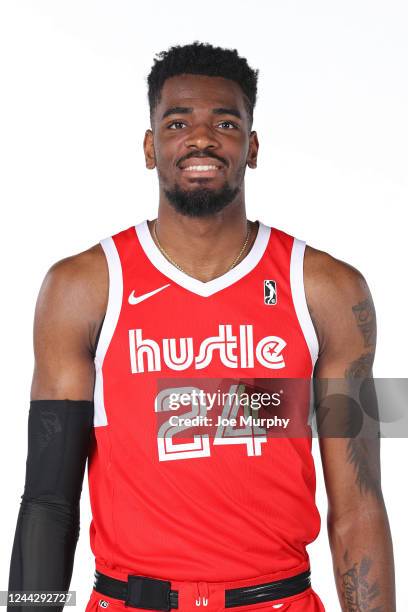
(136, 299)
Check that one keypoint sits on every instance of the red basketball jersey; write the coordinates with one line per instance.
(201, 508)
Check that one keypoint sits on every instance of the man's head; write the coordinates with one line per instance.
(201, 108)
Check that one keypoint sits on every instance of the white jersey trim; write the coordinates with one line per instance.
(299, 298)
(205, 289)
(113, 309)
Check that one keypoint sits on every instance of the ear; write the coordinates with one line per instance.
(148, 147)
(252, 157)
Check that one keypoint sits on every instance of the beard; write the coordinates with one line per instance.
(200, 202)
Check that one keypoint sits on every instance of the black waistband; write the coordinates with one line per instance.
(154, 594)
(267, 591)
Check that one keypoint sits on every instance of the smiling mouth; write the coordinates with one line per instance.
(200, 168)
(204, 168)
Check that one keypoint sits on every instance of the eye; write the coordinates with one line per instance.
(175, 125)
(228, 123)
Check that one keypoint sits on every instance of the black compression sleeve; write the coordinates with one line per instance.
(59, 438)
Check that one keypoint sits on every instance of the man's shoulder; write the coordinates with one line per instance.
(80, 270)
(332, 285)
(76, 286)
(323, 272)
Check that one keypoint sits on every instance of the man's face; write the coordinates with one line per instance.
(201, 143)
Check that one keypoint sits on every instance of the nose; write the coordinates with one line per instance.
(202, 137)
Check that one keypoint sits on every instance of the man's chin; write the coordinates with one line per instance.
(201, 200)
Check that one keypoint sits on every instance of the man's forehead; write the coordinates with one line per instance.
(201, 91)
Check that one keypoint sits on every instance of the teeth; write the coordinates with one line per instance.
(201, 168)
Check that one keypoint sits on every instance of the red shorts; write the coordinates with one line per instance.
(210, 597)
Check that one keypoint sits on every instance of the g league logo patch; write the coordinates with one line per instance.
(270, 292)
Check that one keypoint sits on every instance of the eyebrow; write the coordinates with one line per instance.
(185, 110)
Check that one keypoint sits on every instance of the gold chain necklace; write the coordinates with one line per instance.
(181, 269)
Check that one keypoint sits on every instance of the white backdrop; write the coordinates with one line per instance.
(333, 127)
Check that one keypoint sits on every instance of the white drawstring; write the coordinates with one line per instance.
(202, 600)
(198, 600)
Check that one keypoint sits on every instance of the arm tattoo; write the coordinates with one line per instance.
(357, 592)
(365, 317)
(364, 314)
(360, 454)
(361, 367)
(363, 452)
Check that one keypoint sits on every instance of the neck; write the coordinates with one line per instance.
(204, 247)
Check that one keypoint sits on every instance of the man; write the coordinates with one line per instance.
(196, 295)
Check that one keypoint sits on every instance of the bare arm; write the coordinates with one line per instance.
(69, 311)
(360, 539)
(70, 308)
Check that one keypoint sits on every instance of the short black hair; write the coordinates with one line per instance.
(203, 59)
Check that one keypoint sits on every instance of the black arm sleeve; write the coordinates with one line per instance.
(59, 440)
